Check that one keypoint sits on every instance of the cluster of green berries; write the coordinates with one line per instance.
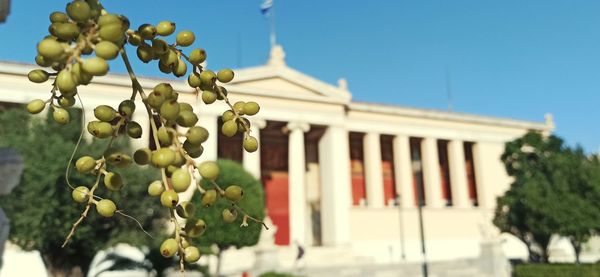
(86, 29)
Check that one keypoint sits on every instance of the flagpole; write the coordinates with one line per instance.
(272, 19)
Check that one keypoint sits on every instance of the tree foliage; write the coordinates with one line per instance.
(555, 191)
(41, 209)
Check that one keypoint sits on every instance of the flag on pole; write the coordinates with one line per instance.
(265, 7)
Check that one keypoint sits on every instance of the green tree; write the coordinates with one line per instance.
(224, 234)
(41, 209)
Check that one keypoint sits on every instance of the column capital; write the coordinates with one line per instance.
(295, 125)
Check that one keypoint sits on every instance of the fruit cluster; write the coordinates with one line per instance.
(87, 28)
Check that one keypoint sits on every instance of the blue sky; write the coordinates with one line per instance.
(515, 59)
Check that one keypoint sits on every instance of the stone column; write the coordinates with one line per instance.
(403, 172)
(296, 177)
(334, 160)
(458, 174)
(252, 160)
(141, 116)
(431, 173)
(373, 172)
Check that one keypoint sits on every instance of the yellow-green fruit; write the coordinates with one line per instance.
(65, 31)
(169, 248)
(112, 32)
(250, 144)
(229, 128)
(159, 46)
(179, 160)
(106, 207)
(95, 66)
(156, 99)
(105, 113)
(234, 193)
(197, 56)
(41, 61)
(251, 108)
(135, 39)
(165, 89)
(79, 11)
(225, 75)
(114, 156)
(65, 82)
(221, 92)
(229, 215)
(227, 116)
(164, 136)
(66, 101)
(156, 188)
(194, 80)
(61, 116)
(185, 107)
(185, 209)
(169, 199)
(80, 194)
(85, 164)
(126, 108)
(187, 119)
(165, 28)
(142, 156)
(169, 110)
(82, 77)
(185, 38)
(163, 157)
(191, 254)
(239, 107)
(208, 198)
(209, 97)
(170, 59)
(38, 76)
(181, 69)
(36, 106)
(197, 135)
(100, 129)
(209, 170)
(50, 49)
(147, 31)
(193, 151)
(107, 50)
(108, 19)
(208, 77)
(181, 179)
(145, 53)
(184, 242)
(195, 228)
(57, 17)
(113, 181)
(134, 129)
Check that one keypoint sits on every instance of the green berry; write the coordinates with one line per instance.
(251, 108)
(65, 82)
(194, 80)
(147, 31)
(59, 17)
(187, 118)
(181, 180)
(134, 129)
(61, 116)
(100, 129)
(135, 39)
(164, 136)
(170, 60)
(109, 19)
(239, 107)
(228, 116)
(181, 68)
(193, 151)
(169, 110)
(79, 11)
(112, 32)
(229, 128)
(50, 49)
(185, 209)
(41, 61)
(65, 31)
(36, 106)
(197, 135)
(165, 28)
(106, 207)
(105, 113)
(163, 157)
(113, 181)
(221, 92)
(107, 50)
(95, 66)
(160, 46)
(197, 56)
(169, 199)
(234, 193)
(225, 75)
(80, 194)
(229, 215)
(66, 101)
(208, 77)
(209, 170)
(85, 164)
(195, 228)
(185, 107)
(185, 38)
(145, 53)
(209, 97)
(208, 198)
(169, 248)
(156, 99)
(250, 144)
(191, 254)
(142, 156)
(126, 108)
(114, 156)
(156, 188)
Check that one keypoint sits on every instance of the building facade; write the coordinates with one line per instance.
(341, 177)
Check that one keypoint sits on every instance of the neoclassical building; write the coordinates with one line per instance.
(341, 177)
